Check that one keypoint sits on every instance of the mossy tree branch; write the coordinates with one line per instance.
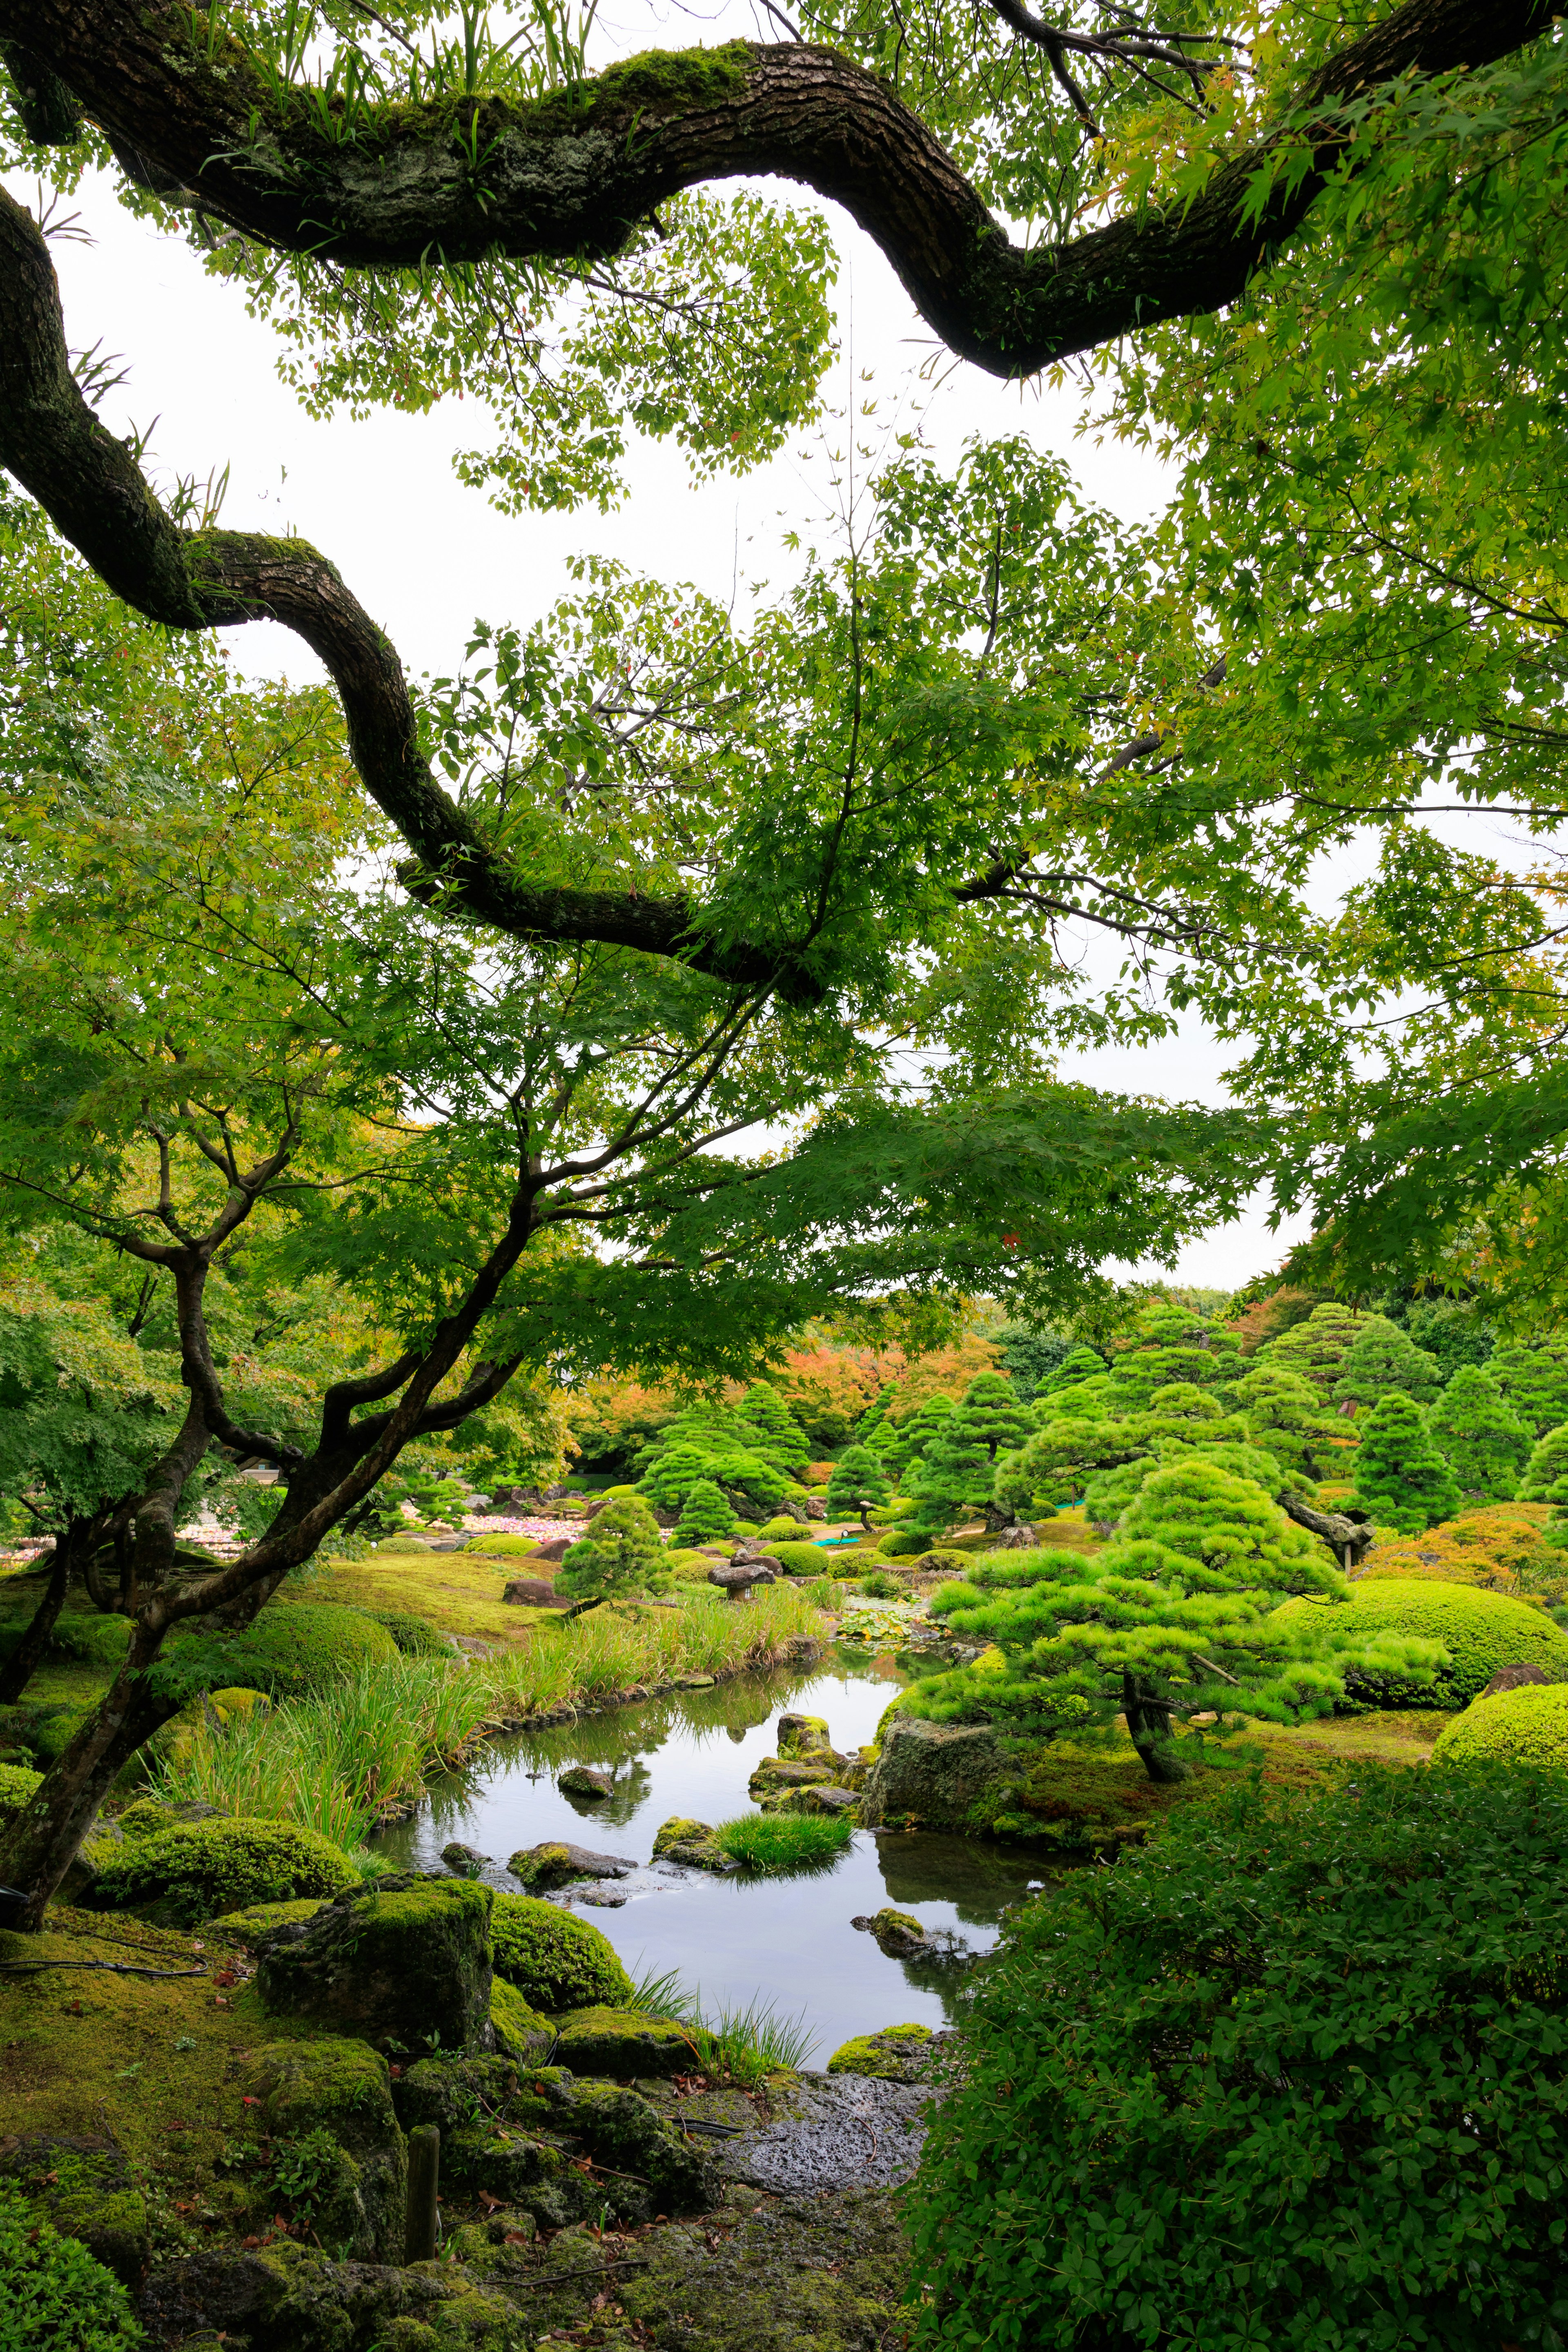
(572, 176)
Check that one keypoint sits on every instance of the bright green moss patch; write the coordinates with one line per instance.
(201, 1870)
(624, 2044)
(885, 2056)
(17, 1785)
(292, 1648)
(555, 1960)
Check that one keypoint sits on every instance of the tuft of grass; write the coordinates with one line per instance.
(744, 2045)
(784, 1842)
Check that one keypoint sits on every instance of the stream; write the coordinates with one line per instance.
(786, 1941)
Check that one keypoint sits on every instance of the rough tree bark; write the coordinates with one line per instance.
(574, 174)
(1148, 1722)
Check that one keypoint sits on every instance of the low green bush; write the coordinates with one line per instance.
(507, 1547)
(1528, 1726)
(784, 1842)
(293, 1647)
(1481, 1631)
(200, 1869)
(54, 2297)
(555, 1960)
(1293, 2078)
(803, 1558)
(881, 1584)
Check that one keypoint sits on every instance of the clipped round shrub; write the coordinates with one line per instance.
(54, 2297)
(292, 1648)
(1528, 1726)
(1301, 2075)
(507, 1547)
(801, 1559)
(200, 1869)
(17, 1785)
(1480, 1631)
(555, 1960)
(146, 1818)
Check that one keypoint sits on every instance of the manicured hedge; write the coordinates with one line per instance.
(1528, 1726)
(1292, 2079)
(292, 1648)
(1481, 1631)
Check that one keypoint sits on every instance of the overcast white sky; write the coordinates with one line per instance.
(426, 556)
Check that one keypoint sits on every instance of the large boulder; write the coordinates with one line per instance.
(932, 1776)
(342, 2088)
(284, 2297)
(404, 1961)
(804, 1737)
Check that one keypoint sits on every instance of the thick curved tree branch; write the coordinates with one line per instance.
(573, 174)
(93, 491)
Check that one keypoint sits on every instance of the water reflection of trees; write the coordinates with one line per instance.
(978, 1880)
(630, 1791)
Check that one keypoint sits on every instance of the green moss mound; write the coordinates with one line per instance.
(1294, 2065)
(884, 2056)
(1528, 1726)
(202, 1869)
(506, 1547)
(555, 1961)
(53, 2296)
(1482, 1631)
(17, 1785)
(292, 1648)
(414, 1637)
(802, 1558)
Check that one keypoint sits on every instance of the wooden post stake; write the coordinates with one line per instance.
(423, 2178)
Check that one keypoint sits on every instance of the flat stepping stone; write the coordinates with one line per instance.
(837, 2131)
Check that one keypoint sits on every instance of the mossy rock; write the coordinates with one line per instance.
(521, 2032)
(17, 1785)
(292, 1648)
(895, 2054)
(681, 1839)
(200, 1869)
(622, 2044)
(803, 1739)
(1482, 1631)
(145, 1818)
(340, 2090)
(555, 1960)
(415, 1636)
(241, 1926)
(403, 1962)
(286, 2297)
(89, 2193)
(1527, 1726)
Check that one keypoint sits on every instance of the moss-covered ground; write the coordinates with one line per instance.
(458, 1593)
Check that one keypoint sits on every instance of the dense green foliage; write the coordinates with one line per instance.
(1534, 1380)
(621, 1552)
(198, 1870)
(1527, 1726)
(1178, 1617)
(1401, 1477)
(1484, 1439)
(1548, 1463)
(1382, 1356)
(556, 1960)
(1279, 2015)
(857, 1486)
(705, 1515)
(53, 2296)
(292, 1648)
(1480, 1631)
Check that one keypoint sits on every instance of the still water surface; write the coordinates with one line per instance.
(786, 1940)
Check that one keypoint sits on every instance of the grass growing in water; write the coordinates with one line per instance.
(782, 1841)
(355, 1753)
(745, 2044)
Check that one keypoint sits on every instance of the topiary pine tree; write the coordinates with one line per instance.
(1285, 1415)
(1316, 1349)
(1483, 1438)
(1079, 1363)
(705, 1516)
(915, 1433)
(1381, 1357)
(1535, 1382)
(858, 1485)
(990, 1414)
(950, 1481)
(1174, 1620)
(621, 1552)
(1401, 1477)
(1177, 1347)
(673, 1473)
(779, 1436)
(1548, 1463)
(876, 1413)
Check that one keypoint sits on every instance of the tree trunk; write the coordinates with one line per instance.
(1149, 1729)
(25, 1659)
(41, 1842)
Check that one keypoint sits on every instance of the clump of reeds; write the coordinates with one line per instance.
(784, 1842)
(743, 2045)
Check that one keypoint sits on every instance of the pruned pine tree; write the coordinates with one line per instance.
(1381, 1357)
(1485, 1442)
(623, 1552)
(857, 1486)
(1403, 1478)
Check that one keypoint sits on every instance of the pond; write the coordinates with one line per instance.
(787, 1941)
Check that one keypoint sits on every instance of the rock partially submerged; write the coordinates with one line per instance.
(933, 1775)
(463, 1861)
(692, 1843)
(897, 2053)
(824, 1798)
(899, 1933)
(585, 1780)
(554, 1863)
